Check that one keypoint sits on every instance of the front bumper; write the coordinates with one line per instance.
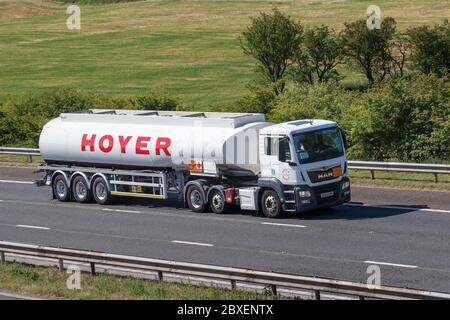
(323, 196)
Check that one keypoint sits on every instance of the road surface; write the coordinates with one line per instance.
(405, 232)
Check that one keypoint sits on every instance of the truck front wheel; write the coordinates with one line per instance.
(195, 199)
(271, 204)
(217, 202)
(100, 191)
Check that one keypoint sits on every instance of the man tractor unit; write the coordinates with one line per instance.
(212, 161)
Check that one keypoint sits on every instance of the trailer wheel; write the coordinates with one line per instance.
(100, 191)
(196, 199)
(80, 190)
(61, 189)
(217, 202)
(271, 204)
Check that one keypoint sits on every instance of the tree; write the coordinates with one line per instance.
(316, 59)
(431, 48)
(370, 49)
(400, 52)
(272, 40)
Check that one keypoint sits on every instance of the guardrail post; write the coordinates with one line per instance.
(61, 265)
(362, 298)
(233, 284)
(317, 294)
(30, 158)
(274, 289)
(436, 178)
(2, 257)
(372, 174)
(92, 268)
(160, 276)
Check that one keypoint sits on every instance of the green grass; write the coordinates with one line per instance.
(189, 49)
(11, 160)
(407, 180)
(50, 283)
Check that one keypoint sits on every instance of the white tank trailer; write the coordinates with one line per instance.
(210, 160)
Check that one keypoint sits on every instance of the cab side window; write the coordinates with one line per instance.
(278, 146)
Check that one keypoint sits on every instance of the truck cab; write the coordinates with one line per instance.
(303, 167)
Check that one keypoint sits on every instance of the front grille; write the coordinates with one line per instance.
(327, 188)
(323, 175)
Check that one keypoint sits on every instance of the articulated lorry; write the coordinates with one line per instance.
(211, 161)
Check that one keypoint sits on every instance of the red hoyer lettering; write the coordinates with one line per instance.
(141, 145)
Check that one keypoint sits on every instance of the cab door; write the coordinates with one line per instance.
(278, 150)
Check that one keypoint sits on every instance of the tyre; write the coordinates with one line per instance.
(61, 188)
(271, 204)
(80, 190)
(196, 199)
(100, 191)
(217, 202)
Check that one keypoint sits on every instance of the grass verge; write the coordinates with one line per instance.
(406, 180)
(50, 283)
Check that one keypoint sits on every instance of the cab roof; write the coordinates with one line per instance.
(297, 126)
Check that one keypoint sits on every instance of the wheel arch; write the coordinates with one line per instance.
(199, 183)
(85, 177)
(271, 183)
(103, 176)
(66, 178)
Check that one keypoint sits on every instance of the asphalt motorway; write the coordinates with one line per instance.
(404, 232)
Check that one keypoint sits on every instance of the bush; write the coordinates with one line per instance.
(431, 48)
(21, 121)
(401, 119)
(155, 101)
(311, 102)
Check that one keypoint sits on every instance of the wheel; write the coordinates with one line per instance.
(217, 202)
(80, 190)
(61, 189)
(271, 204)
(195, 199)
(100, 191)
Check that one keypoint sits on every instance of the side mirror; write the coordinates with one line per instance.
(292, 163)
(344, 138)
(284, 154)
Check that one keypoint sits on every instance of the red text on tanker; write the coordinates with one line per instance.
(141, 144)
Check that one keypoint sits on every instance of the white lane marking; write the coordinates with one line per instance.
(194, 243)
(14, 181)
(284, 224)
(391, 264)
(395, 207)
(121, 210)
(31, 227)
(1, 200)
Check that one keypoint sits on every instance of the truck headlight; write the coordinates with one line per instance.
(304, 194)
(345, 185)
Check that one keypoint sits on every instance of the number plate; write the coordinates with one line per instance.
(136, 189)
(327, 194)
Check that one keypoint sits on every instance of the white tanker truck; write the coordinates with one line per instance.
(210, 160)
